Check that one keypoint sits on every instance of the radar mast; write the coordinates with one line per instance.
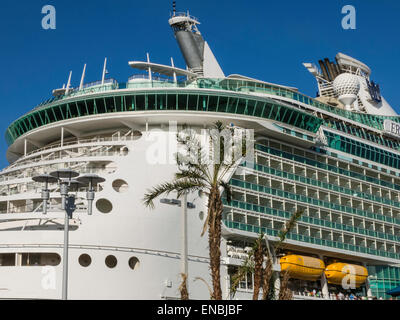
(195, 50)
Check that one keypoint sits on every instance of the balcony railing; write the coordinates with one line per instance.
(303, 238)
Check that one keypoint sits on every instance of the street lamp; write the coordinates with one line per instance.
(91, 180)
(46, 179)
(65, 178)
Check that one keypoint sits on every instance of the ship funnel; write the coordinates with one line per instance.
(195, 50)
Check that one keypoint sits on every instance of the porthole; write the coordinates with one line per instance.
(111, 262)
(104, 206)
(120, 186)
(134, 263)
(85, 260)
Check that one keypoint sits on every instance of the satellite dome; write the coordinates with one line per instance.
(346, 83)
(346, 86)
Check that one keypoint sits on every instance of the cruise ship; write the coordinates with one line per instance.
(336, 157)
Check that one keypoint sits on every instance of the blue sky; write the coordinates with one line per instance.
(268, 40)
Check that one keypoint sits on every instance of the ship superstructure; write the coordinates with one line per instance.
(345, 69)
(335, 157)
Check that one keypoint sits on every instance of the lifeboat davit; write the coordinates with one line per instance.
(302, 267)
(335, 274)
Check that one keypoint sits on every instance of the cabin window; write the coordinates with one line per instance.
(104, 206)
(85, 260)
(40, 259)
(29, 259)
(120, 186)
(7, 259)
(134, 263)
(111, 262)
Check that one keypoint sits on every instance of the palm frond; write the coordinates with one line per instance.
(190, 174)
(246, 268)
(206, 222)
(249, 264)
(228, 191)
(178, 186)
(225, 168)
(219, 125)
(189, 185)
(290, 224)
(207, 285)
(194, 156)
(218, 147)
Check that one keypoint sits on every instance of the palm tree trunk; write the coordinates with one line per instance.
(285, 293)
(267, 280)
(258, 268)
(183, 287)
(214, 240)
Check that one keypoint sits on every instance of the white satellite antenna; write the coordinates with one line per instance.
(173, 66)
(69, 83)
(83, 77)
(104, 71)
(148, 61)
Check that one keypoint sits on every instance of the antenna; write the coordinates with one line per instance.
(173, 66)
(174, 8)
(104, 71)
(83, 77)
(148, 61)
(69, 83)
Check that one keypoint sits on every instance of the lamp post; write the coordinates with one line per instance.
(185, 205)
(65, 178)
(184, 235)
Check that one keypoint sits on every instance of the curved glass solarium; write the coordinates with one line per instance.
(161, 100)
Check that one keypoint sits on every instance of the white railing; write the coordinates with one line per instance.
(126, 137)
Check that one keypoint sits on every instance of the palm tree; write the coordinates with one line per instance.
(253, 264)
(259, 253)
(197, 174)
(285, 293)
(263, 276)
(267, 287)
(247, 268)
(183, 287)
